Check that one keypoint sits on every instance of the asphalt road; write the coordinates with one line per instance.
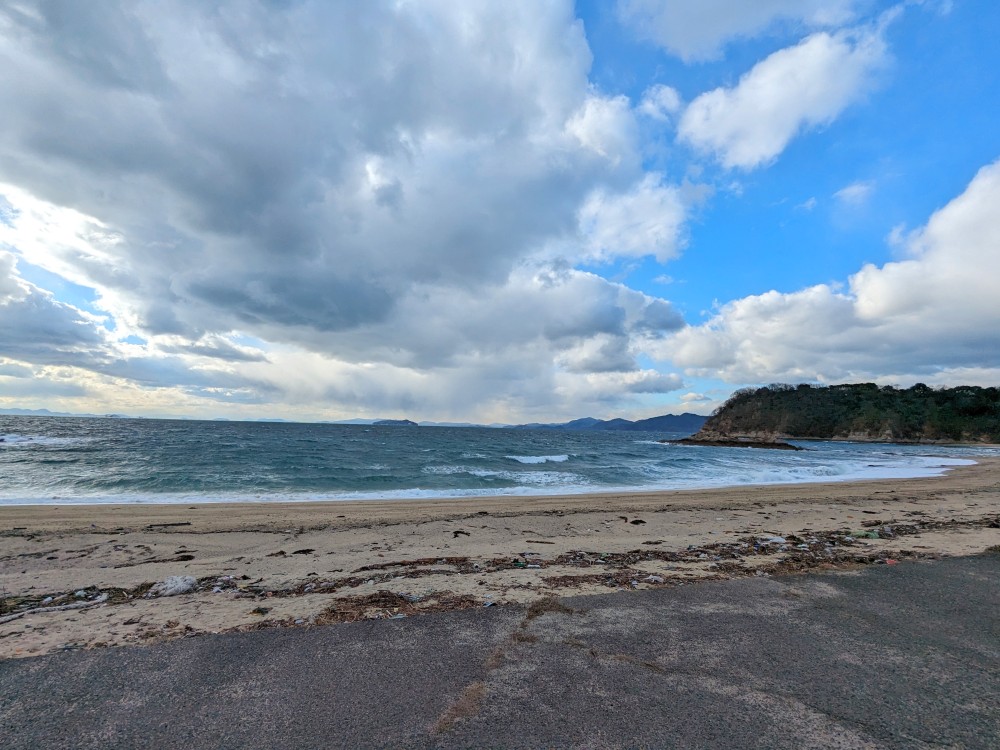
(901, 656)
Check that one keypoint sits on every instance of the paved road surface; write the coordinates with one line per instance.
(901, 656)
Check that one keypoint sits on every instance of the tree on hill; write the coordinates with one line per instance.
(862, 410)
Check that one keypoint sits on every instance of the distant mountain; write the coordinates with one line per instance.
(686, 422)
(47, 413)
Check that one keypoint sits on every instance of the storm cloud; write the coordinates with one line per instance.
(405, 184)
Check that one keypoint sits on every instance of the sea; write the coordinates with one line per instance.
(76, 460)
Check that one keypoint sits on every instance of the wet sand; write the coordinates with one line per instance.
(252, 566)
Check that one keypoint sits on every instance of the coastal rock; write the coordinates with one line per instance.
(735, 442)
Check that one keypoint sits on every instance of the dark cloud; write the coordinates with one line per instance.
(36, 328)
(382, 182)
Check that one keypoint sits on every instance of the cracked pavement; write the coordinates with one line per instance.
(884, 656)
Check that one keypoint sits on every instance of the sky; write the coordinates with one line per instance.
(492, 212)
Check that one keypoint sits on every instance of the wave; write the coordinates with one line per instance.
(15, 440)
(539, 459)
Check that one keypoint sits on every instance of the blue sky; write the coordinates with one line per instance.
(493, 212)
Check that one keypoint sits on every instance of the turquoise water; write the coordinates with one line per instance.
(49, 460)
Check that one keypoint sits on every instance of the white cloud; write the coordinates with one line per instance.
(605, 126)
(647, 220)
(694, 398)
(855, 194)
(792, 90)
(371, 194)
(699, 30)
(660, 102)
(933, 317)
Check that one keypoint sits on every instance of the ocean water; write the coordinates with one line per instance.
(58, 461)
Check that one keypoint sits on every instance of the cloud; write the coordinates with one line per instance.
(694, 398)
(660, 102)
(931, 317)
(698, 30)
(792, 90)
(390, 197)
(647, 220)
(36, 328)
(855, 194)
(605, 126)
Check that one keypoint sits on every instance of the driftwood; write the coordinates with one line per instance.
(59, 608)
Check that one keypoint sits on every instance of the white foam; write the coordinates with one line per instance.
(538, 459)
(14, 440)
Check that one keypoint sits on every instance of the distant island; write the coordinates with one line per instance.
(686, 422)
(674, 423)
(765, 417)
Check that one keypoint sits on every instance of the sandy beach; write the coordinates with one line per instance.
(76, 577)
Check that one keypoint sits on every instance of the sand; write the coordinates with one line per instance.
(309, 564)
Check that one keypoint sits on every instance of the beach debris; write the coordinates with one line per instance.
(653, 579)
(637, 522)
(58, 608)
(537, 541)
(260, 610)
(774, 540)
(174, 585)
(306, 551)
(167, 525)
(279, 553)
(458, 532)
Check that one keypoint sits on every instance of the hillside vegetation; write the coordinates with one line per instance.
(862, 411)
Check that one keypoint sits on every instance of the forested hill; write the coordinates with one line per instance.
(861, 411)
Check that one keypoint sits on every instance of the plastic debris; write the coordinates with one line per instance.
(174, 585)
(653, 579)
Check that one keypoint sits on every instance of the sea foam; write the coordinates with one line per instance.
(539, 459)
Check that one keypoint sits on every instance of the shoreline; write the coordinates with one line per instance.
(385, 510)
(388, 496)
(259, 565)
